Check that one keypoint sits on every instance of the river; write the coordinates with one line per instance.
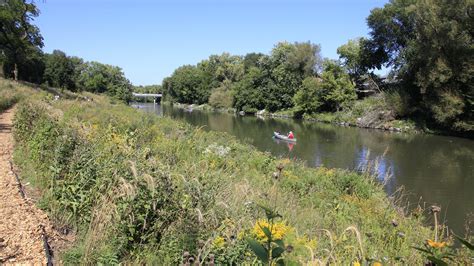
(433, 170)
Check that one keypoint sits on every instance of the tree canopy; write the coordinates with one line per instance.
(20, 40)
(428, 45)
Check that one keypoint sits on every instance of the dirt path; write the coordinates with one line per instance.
(20, 220)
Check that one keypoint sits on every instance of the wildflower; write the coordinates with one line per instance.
(278, 230)
(218, 242)
(377, 264)
(435, 244)
(356, 263)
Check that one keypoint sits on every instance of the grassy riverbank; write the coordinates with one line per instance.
(143, 189)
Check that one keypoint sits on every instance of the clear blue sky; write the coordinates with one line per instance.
(149, 39)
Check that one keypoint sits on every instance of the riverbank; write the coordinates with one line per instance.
(143, 189)
(360, 116)
(369, 113)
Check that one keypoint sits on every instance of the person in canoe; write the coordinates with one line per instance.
(290, 135)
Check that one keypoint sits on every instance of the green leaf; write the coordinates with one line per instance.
(465, 242)
(280, 243)
(276, 252)
(423, 250)
(258, 249)
(437, 261)
(267, 232)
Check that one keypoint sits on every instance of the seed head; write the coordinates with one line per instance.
(435, 209)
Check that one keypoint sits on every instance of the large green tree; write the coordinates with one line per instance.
(332, 91)
(59, 71)
(20, 40)
(429, 46)
(101, 78)
(289, 64)
(188, 84)
(351, 54)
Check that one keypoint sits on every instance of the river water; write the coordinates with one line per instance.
(433, 170)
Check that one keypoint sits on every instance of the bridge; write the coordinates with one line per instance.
(145, 95)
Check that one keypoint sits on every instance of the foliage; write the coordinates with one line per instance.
(338, 88)
(11, 94)
(139, 187)
(59, 70)
(350, 54)
(428, 46)
(148, 89)
(310, 97)
(258, 81)
(333, 91)
(188, 84)
(221, 98)
(20, 41)
(101, 78)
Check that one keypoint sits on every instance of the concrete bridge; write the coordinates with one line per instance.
(145, 95)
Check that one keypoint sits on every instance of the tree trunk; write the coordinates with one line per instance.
(15, 72)
(2, 75)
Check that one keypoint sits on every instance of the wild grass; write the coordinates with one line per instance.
(144, 189)
(11, 93)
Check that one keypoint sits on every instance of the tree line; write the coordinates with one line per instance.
(21, 57)
(426, 45)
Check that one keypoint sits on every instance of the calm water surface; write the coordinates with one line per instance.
(437, 169)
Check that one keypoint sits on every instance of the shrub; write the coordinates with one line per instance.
(221, 98)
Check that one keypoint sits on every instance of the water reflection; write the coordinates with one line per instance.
(438, 169)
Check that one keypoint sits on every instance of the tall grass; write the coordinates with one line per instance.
(144, 189)
(11, 93)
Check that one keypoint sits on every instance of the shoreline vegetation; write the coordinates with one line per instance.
(340, 119)
(137, 188)
(428, 84)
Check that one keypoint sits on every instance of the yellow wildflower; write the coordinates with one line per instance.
(219, 242)
(356, 263)
(377, 264)
(435, 244)
(278, 230)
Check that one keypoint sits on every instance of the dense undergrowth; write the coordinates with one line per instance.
(144, 189)
(11, 94)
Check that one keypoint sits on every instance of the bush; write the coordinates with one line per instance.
(399, 102)
(249, 110)
(447, 108)
(221, 98)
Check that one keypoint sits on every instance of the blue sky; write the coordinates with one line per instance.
(149, 39)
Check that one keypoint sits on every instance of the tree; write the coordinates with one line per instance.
(221, 97)
(249, 93)
(187, 84)
(338, 89)
(252, 60)
(351, 56)
(289, 64)
(59, 71)
(310, 96)
(428, 44)
(391, 30)
(20, 41)
(101, 78)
